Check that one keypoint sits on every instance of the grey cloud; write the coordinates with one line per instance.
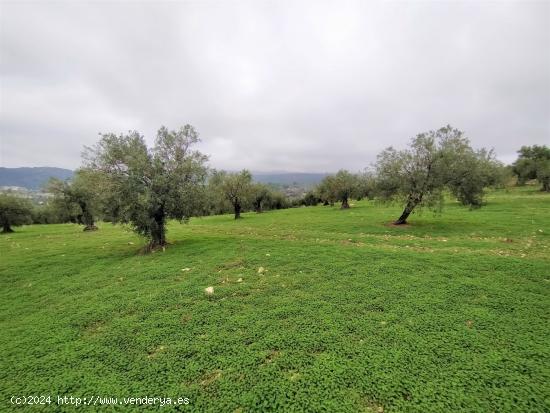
(300, 86)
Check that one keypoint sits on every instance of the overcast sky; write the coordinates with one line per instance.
(305, 86)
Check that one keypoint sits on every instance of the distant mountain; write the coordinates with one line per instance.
(35, 178)
(32, 178)
(289, 178)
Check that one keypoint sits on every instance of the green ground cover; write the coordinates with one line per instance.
(348, 313)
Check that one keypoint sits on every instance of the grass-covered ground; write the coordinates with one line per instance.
(349, 314)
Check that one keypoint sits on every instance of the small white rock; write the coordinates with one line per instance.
(209, 290)
(261, 270)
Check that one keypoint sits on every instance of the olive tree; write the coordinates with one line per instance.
(237, 188)
(366, 185)
(311, 198)
(51, 213)
(326, 191)
(79, 195)
(435, 161)
(216, 201)
(146, 186)
(14, 211)
(533, 163)
(277, 200)
(261, 195)
(339, 187)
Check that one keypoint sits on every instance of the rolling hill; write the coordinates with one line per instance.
(35, 178)
(32, 178)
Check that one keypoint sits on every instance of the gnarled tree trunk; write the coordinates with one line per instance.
(86, 219)
(345, 204)
(158, 232)
(6, 228)
(412, 202)
(90, 227)
(237, 207)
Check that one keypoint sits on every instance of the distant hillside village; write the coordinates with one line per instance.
(29, 182)
(36, 196)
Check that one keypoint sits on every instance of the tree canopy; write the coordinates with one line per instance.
(533, 163)
(14, 211)
(339, 187)
(261, 195)
(79, 196)
(145, 186)
(435, 161)
(237, 188)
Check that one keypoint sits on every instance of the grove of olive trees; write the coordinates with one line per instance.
(124, 181)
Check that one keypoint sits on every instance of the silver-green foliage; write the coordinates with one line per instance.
(435, 161)
(339, 187)
(145, 186)
(14, 211)
(533, 163)
(78, 198)
(235, 188)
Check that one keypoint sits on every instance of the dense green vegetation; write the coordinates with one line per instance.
(14, 211)
(533, 163)
(314, 309)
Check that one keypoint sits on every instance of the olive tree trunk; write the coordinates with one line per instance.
(412, 202)
(158, 232)
(237, 207)
(345, 203)
(86, 219)
(90, 227)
